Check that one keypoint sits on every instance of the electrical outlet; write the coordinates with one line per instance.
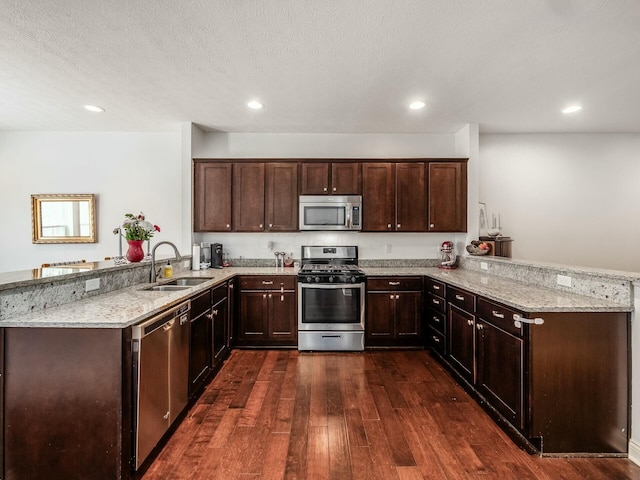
(93, 284)
(564, 280)
(387, 248)
(186, 264)
(484, 265)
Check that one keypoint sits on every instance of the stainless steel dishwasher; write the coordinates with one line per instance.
(160, 349)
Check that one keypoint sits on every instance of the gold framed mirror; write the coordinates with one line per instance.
(62, 218)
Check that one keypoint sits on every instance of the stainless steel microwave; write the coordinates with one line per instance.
(331, 212)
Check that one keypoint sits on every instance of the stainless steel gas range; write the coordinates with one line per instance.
(331, 298)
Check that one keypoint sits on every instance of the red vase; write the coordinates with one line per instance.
(135, 253)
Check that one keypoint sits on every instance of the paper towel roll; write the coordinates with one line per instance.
(195, 257)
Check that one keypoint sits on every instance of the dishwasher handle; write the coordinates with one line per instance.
(159, 321)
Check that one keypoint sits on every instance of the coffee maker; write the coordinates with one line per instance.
(216, 255)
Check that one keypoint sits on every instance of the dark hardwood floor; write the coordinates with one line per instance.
(373, 415)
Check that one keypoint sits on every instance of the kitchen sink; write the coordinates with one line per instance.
(187, 281)
(165, 288)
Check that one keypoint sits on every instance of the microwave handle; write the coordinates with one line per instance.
(349, 211)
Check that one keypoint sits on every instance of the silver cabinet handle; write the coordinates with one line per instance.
(270, 225)
(436, 287)
(388, 225)
(479, 326)
(281, 297)
(264, 295)
(166, 416)
(334, 189)
(209, 316)
(267, 283)
(497, 314)
(436, 339)
(260, 226)
(459, 297)
(518, 320)
(228, 226)
(431, 225)
(324, 189)
(436, 319)
(215, 312)
(270, 295)
(394, 283)
(437, 302)
(397, 297)
(391, 297)
(470, 323)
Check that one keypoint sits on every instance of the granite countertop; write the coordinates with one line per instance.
(131, 305)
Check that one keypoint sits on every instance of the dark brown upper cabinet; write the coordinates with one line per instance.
(337, 178)
(265, 197)
(281, 197)
(212, 196)
(394, 197)
(447, 186)
(248, 197)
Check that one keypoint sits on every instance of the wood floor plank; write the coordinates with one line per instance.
(386, 414)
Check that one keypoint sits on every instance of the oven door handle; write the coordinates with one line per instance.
(332, 286)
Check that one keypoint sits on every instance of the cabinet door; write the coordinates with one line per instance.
(231, 314)
(411, 198)
(379, 318)
(408, 315)
(282, 318)
(500, 364)
(378, 197)
(346, 178)
(460, 339)
(281, 197)
(219, 329)
(252, 318)
(248, 197)
(315, 178)
(447, 196)
(199, 352)
(212, 196)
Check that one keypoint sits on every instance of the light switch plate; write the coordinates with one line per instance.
(93, 284)
(564, 280)
(484, 265)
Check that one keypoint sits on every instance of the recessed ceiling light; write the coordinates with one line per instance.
(94, 108)
(572, 109)
(417, 105)
(255, 105)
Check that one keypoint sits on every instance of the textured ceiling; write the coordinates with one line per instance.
(335, 66)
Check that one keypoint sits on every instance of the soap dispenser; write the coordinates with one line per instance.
(168, 270)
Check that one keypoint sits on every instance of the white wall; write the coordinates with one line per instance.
(570, 199)
(129, 172)
(309, 146)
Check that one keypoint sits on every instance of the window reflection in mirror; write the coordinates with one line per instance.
(60, 218)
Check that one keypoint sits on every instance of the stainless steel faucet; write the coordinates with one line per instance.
(153, 258)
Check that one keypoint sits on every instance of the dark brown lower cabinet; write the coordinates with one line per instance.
(199, 342)
(500, 371)
(266, 312)
(67, 403)
(560, 379)
(461, 338)
(219, 324)
(393, 312)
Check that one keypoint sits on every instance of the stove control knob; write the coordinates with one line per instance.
(332, 279)
(354, 279)
(309, 279)
(317, 279)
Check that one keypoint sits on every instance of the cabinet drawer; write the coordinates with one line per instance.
(436, 341)
(267, 282)
(498, 315)
(435, 287)
(436, 320)
(200, 304)
(394, 283)
(436, 303)
(461, 299)
(218, 293)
